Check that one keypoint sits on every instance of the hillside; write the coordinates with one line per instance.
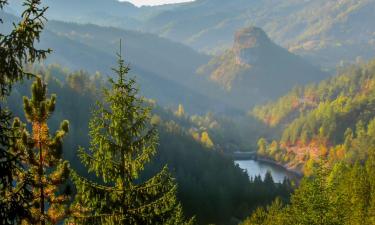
(121, 14)
(192, 163)
(325, 32)
(172, 60)
(329, 114)
(164, 68)
(245, 70)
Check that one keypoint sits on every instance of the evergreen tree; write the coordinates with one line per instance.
(41, 155)
(122, 142)
(14, 197)
(16, 48)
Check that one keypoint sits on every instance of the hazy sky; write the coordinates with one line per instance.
(154, 2)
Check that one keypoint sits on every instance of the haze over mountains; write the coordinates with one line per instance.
(191, 32)
(326, 32)
(165, 77)
(224, 80)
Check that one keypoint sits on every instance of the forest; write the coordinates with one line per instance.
(132, 120)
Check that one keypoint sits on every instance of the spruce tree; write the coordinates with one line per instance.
(14, 197)
(122, 142)
(16, 48)
(41, 154)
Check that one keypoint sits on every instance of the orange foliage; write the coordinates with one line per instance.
(40, 132)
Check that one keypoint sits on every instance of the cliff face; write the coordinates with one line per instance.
(248, 45)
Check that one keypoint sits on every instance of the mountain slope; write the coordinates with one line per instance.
(164, 68)
(194, 166)
(321, 120)
(325, 32)
(320, 30)
(255, 69)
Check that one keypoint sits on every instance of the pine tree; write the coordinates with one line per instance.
(41, 155)
(122, 142)
(16, 48)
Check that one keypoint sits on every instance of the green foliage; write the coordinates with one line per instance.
(339, 194)
(186, 158)
(14, 200)
(16, 48)
(122, 142)
(322, 114)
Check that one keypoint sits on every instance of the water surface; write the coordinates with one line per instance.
(255, 168)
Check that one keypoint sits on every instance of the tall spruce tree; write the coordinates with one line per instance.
(122, 142)
(41, 154)
(16, 48)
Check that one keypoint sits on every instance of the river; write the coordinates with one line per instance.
(255, 168)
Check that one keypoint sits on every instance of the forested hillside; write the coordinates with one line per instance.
(155, 115)
(185, 155)
(326, 32)
(339, 192)
(328, 114)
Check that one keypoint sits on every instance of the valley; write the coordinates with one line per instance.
(240, 112)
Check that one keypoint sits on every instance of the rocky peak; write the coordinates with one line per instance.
(248, 44)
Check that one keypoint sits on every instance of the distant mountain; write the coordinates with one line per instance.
(101, 12)
(326, 32)
(255, 69)
(165, 69)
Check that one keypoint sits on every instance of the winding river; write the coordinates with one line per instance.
(255, 168)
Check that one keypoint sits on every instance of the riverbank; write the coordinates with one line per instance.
(254, 156)
(280, 165)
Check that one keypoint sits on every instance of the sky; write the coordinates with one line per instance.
(154, 2)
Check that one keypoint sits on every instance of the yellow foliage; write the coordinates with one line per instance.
(206, 140)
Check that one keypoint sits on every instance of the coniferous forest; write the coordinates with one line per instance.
(201, 112)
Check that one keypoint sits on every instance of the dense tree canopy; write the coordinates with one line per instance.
(339, 193)
(16, 49)
(322, 114)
